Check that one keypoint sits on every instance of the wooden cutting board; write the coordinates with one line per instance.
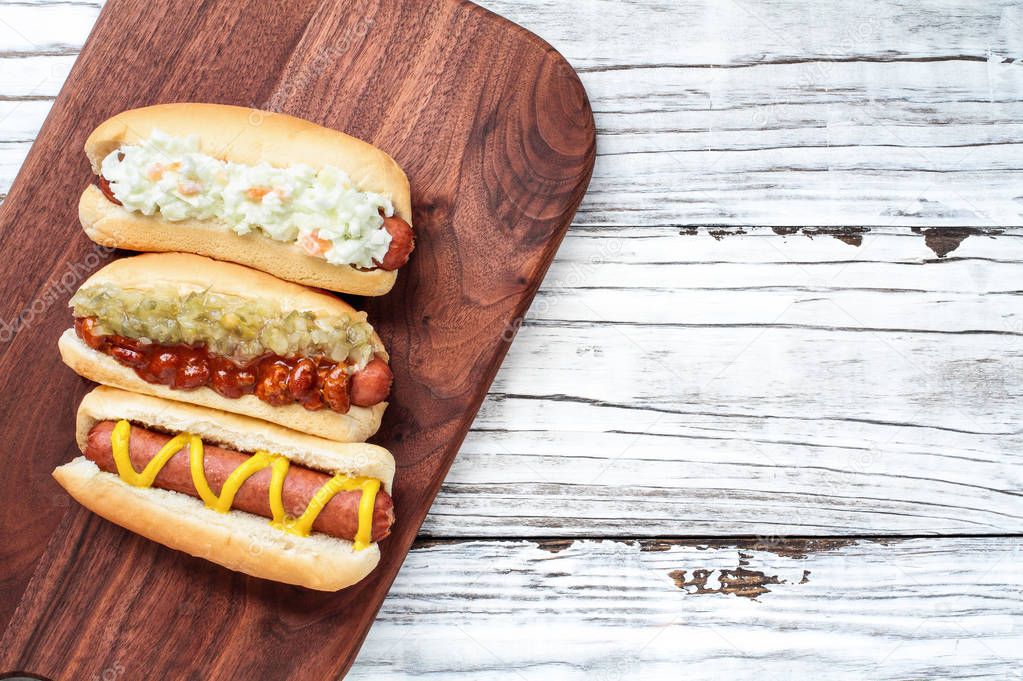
(497, 137)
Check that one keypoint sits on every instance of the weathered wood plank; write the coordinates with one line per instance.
(948, 608)
(33, 78)
(45, 29)
(843, 113)
(606, 34)
(694, 33)
(900, 115)
(755, 384)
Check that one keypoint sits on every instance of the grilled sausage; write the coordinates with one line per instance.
(371, 384)
(104, 186)
(339, 518)
(402, 243)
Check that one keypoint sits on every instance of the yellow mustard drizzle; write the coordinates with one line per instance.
(340, 483)
(279, 469)
(302, 526)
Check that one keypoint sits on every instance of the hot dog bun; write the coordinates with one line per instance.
(241, 433)
(197, 273)
(237, 540)
(192, 272)
(249, 137)
(110, 225)
(358, 425)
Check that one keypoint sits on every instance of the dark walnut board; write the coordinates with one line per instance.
(496, 135)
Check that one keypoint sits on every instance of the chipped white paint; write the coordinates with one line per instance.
(611, 611)
(754, 384)
(746, 383)
(792, 112)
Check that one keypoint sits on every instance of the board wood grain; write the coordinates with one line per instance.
(496, 134)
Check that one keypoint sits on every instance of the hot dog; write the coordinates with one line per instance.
(248, 495)
(277, 193)
(217, 334)
(339, 518)
(372, 383)
(402, 243)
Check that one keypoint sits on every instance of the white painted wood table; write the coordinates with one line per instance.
(790, 306)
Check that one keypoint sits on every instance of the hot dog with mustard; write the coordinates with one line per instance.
(251, 496)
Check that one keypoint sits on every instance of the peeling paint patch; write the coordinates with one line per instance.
(944, 240)
(806, 577)
(655, 545)
(741, 582)
(851, 239)
(850, 235)
(941, 240)
(801, 548)
(796, 548)
(718, 234)
(554, 545)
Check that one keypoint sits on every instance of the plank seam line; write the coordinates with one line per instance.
(581, 323)
(59, 50)
(700, 538)
(560, 397)
(791, 61)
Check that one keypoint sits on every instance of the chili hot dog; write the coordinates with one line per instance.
(217, 334)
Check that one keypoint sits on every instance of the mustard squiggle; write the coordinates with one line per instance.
(120, 440)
